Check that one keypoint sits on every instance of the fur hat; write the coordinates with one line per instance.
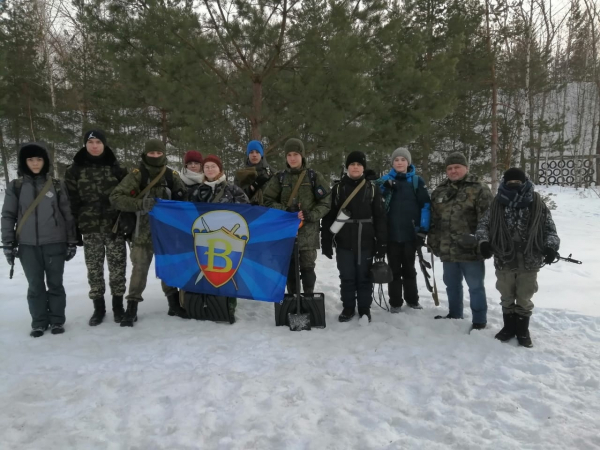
(94, 134)
(154, 145)
(214, 159)
(192, 156)
(294, 145)
(515, 174)
(402, 152)
(456, 158)
(255, 145)
(33, 150)
(356, 157)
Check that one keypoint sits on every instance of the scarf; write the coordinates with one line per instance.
(191, 178)
(213, 184)
(516, 198)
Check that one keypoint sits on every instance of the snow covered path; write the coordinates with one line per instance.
(403, 382)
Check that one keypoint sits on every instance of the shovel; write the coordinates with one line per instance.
(299, 321)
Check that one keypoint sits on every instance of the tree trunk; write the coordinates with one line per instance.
(4, 159)
(494, 142)
(256, 119)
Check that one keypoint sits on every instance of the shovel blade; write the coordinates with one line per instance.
(299, 322)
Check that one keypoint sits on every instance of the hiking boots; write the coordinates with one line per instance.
(130, 315)
(414, 305)
(117, 307)
(99, 312)
(347, 314)
(508, 331)
(362, 312)
(522, 331)
(37, 332)
(478, 326)
(395, 309)
(448, 316)
(175, 308)
(57, 328)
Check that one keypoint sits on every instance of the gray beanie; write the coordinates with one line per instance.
(456, 158)
(402, 152)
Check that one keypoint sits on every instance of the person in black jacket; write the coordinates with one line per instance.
(405, 197)
(361, 237)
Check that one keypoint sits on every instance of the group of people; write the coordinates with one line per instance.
(101, 206)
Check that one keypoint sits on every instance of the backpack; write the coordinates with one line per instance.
(367, 185)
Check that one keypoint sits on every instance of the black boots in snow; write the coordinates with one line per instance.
(515, 325)
(175, 308)
(99, 312)
(131, 314)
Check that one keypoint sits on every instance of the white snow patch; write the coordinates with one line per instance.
(406, 381)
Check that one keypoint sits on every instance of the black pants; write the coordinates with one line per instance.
(356, 286)
(401, 257)
(44, 265)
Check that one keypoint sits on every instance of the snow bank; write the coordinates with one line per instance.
(403, 382)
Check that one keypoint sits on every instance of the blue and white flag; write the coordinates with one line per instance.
(223, 248)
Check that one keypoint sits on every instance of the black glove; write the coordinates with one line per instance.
(549, 255)
(327, 249)
(147, 204)
(467, 241)
(11, 254)
(79, 237)
(390, 184)
(381, 251)
(485, 249)
(71, 251)
(259, 182)
(306, 215)
(293, 208)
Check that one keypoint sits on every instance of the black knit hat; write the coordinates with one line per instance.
(456, 158)
(515, 174)
(356, 157)
(94, 134)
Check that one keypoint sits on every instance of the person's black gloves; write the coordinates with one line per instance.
(79, 237)
(467, 240)
(71, 251)
(381, 251)
(11, 254)
(390, 184)
(549, 255)
(486, 249)
(327, 248)
(259, 182)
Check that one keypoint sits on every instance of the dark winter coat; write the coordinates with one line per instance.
(517, 220)
(456, 209)
(403, 204)
(253, 180)
(223, 192)
(90, 181)
(367, 204)
(50, 223)
(315, 201)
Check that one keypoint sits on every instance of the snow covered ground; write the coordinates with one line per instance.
(403, 382)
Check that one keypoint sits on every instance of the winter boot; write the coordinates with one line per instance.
(448, 316)
(57, 328)
(522, 331)
(508, 331)
(175, 308)
(414, 305)
(99, 312)
(364, 312)
(395, 309)
(37, 332)
(131, 314)
(478, 326)
(117, 307)
(346, 315)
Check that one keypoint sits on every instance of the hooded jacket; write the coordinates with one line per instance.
(51, 222)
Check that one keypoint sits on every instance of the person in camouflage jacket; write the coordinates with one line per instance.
(255, 176)
(312, 202)
(457, 205)
(91, 178)
(124, 198)
(519, 232)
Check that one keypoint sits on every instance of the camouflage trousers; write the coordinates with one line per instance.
(97, 247)
(141, 258)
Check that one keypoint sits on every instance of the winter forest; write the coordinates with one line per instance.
(506, 82)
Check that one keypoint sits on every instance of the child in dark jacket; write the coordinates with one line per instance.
(43, 239)
(406, 202)
(362, 236)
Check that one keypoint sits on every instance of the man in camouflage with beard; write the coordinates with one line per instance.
(457, 205)
(91, 178)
